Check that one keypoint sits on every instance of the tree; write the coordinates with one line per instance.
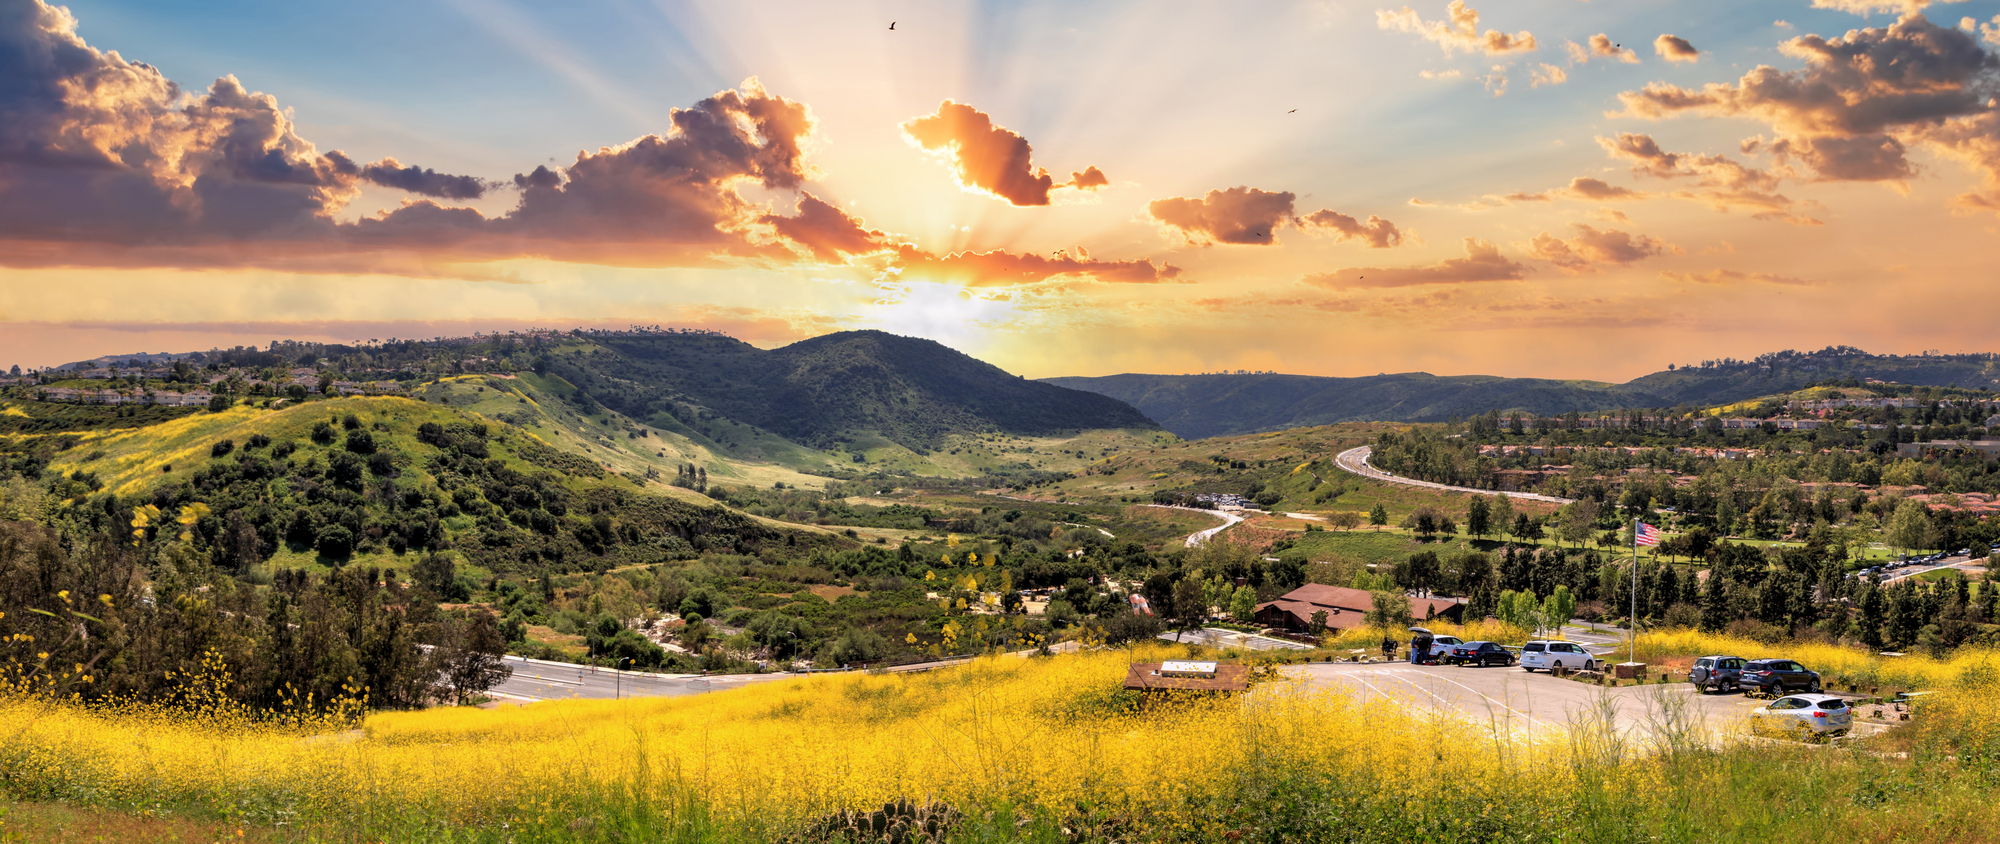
(1190, 603)
(1559, 607)
(1389, 610)
(468, 653)
(1715, 604)
(1910, 527)
(1503, 513)
(1378, 516)
(1318, 627)
(1477, 516)
(1345, 520)
(1243, 605)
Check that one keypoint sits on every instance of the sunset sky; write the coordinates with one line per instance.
(1562, 188)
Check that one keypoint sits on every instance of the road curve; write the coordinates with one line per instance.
(1229, 520)
(1355, 460)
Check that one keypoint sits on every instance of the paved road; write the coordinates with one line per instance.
(1217, 637)
(538, 680)
(1964, 564)
(1530, 704)
(1355, 460)
(1198, 537)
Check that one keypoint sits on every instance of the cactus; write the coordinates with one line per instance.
(900, 821)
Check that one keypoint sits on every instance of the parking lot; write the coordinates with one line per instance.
(1535, 704)
(1217, 637)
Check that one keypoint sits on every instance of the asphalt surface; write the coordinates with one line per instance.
(1532, 704)
(1198, 537)
(537, 680)
(1964, 564)
(1217, 637)
(1355, 460)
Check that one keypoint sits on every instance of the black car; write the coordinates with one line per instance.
(1480, 653)
(1718, 673)
(1775, 677)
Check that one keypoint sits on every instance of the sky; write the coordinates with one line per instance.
(1559, 188)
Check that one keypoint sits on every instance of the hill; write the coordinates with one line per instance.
(832, 390)
(1199, 406)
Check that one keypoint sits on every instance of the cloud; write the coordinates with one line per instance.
(1600, 47)
(95, 148)
(1733, 277)
(830, 234)
(1592, 248)
(1581, 187)
(1440, 74)
(1482, 262)
(1866, 7)
(1239, 215)
(1674, 48)
(988, 157)
(1461, 32)
(1862, 100)
(1090, 179)
(1377, 232)
(1547, 74)
(1496, 80)
(391, 173)
(1724, 184)
(1000, 268)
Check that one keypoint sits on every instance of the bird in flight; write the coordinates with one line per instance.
(1292, 111)
(892, 25)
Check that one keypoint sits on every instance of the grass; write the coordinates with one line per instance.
(1042, 750)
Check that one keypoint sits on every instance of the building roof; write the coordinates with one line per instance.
(1346, 607)
(1145, 676)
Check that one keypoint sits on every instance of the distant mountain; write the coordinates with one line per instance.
(829, 389)
(1199, 406)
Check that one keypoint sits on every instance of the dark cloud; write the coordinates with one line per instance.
(391, 173)
(990, 157)
(1591, 248)
(1239, 215)
(1674, 48)
(1482, 262)
(1861, 101)
(1377, 232)
(98, 149)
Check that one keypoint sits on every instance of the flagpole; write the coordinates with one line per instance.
(1633, 620)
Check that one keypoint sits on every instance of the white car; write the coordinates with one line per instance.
(1551, 655)
(1803, 716)
(1442, 645)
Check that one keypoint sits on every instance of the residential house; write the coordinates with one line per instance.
(1345, 608)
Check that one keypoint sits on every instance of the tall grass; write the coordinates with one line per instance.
(1025, 748)
(1837, 664)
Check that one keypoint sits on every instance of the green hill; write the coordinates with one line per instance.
(828, 392)
(1199, 406)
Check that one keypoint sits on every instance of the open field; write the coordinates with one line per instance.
(1028, 745)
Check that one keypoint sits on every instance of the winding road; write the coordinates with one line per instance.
(1355, 460)
(1229, 520)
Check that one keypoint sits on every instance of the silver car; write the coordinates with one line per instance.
(1806, 717)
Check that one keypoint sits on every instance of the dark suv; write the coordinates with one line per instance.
(1481, 653)
(1775, 677)
(1716, 673)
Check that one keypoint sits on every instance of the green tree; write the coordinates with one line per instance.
(1243, 605)
(1389, 610)
(1503, 513)
(1478, 516)
(1910, 527)
(1559, 607)
(1378, 516)
(1190, 604)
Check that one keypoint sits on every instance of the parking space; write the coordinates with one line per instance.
(1532, 704)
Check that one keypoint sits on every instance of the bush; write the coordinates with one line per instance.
(382, 464)
(218, 404)
(334, 541)
(360, 442)
(323, 433)
(222, 448)
(257, 441)
(351, 422)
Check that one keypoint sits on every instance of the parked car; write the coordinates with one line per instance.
(1775, 677)
(1551, 655)
(1719, 673)
(1481, 653)
(1442, 645)
(1805, 717)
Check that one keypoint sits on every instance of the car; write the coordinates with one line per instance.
(1806, 717)
(1482, 653)
(1549, 655)
(1775, 677)
(1718, 673)
(1442, 645)
(1963, 552)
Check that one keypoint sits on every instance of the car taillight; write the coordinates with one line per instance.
(1819, 715)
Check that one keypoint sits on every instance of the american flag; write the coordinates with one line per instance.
(1647, 535)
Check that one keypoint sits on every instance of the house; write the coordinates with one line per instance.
(1345, 608)
(1986, 449)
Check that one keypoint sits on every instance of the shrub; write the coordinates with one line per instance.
(222, 448)
(361, 442)
(323, 433)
